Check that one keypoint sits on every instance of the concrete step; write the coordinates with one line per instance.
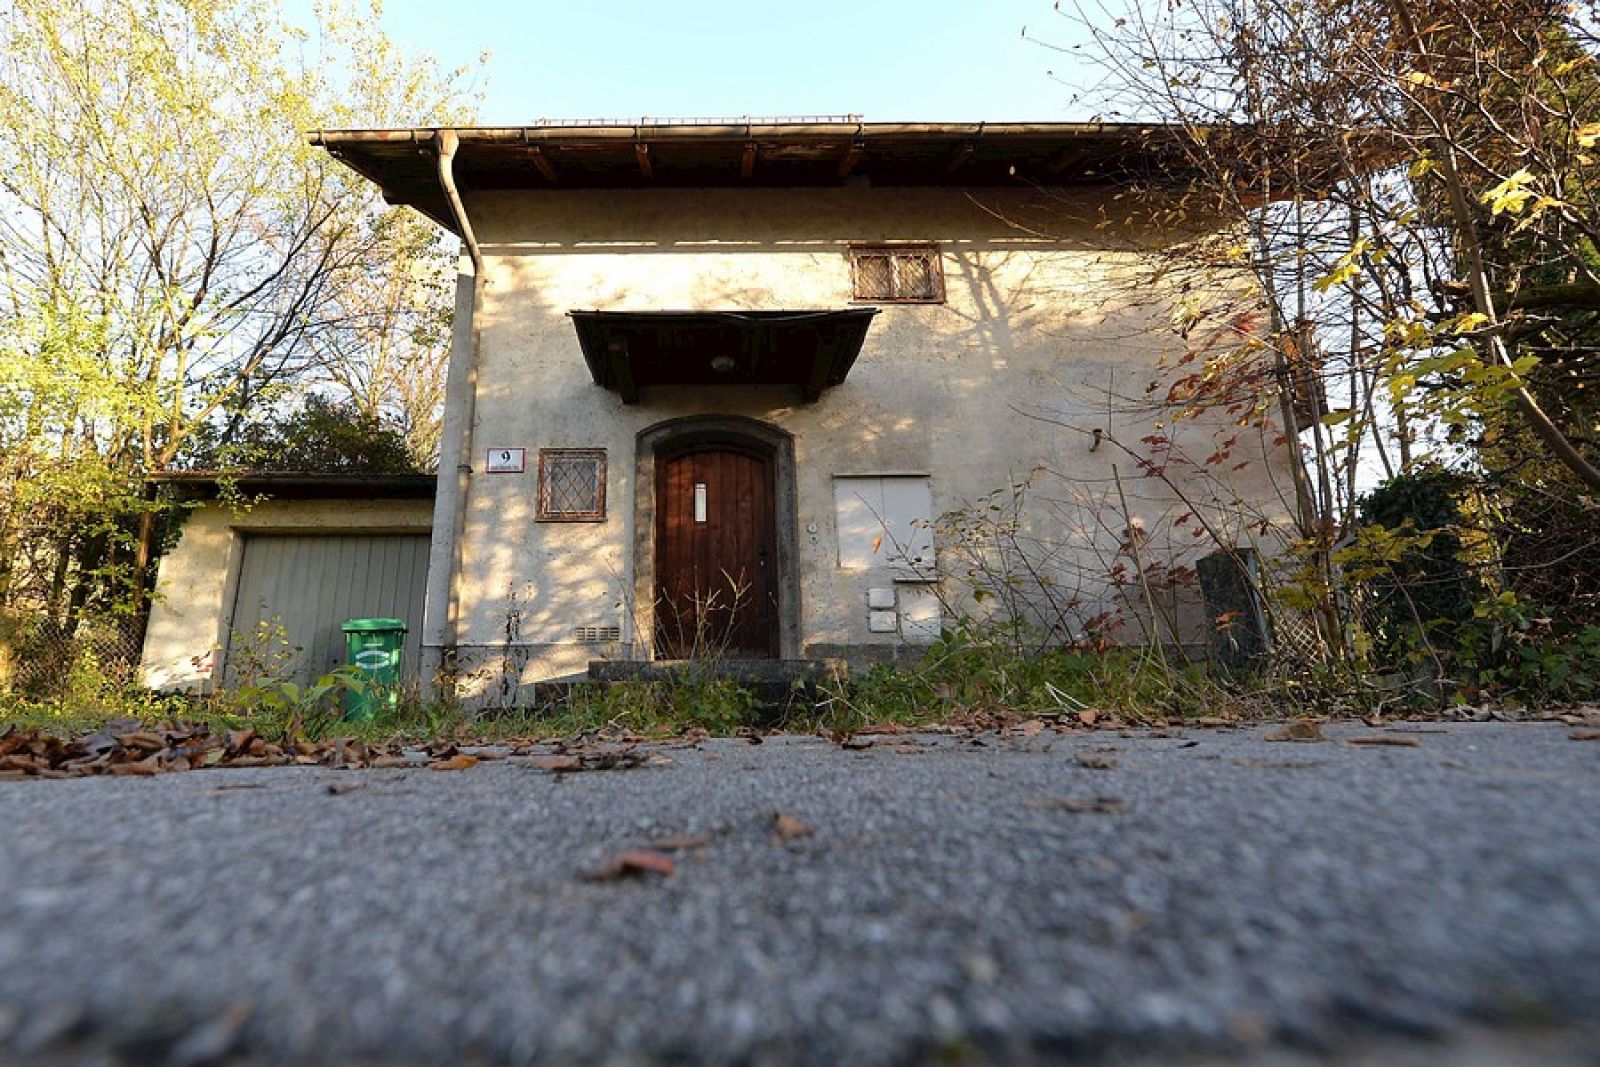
(781, 688)
(743, 671)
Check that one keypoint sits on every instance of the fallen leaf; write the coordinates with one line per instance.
(1280, 765)
(856, 742)
(1585, 735)
(148, 765)
(1088, 716)
(1083, 805)
(340, 788)
(593, 759)
(142, 739)
(459, 762)
(633, 863)
(1298, 730)
(786, 827)
(1097, 763)
(1383, 739)
(238, 740)
(680, 842)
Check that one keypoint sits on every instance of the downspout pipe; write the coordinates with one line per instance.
(444, 627)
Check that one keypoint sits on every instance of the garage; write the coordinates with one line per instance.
(267, 567)
(295, 590)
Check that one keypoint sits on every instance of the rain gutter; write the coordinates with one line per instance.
(461, 392)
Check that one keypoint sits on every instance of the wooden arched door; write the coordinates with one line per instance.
(716, 554)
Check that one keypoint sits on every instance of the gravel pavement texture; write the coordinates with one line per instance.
(1203, 896)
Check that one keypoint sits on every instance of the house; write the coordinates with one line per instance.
(719, 387)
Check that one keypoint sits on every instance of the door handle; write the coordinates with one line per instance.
(761, 558)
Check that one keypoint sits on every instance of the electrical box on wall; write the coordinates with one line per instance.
(921, 619)
(885, 521)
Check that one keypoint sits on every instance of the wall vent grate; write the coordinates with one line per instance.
(597, 635)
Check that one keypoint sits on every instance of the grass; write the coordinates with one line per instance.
(959, 680)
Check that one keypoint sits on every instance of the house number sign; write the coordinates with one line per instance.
(507, 460)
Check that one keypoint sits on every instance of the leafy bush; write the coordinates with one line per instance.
(1409, 555)
(1508, 651)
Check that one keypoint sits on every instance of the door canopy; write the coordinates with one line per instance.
(810, 350)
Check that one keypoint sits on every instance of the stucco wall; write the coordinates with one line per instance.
(195, 583)
(1046, 319)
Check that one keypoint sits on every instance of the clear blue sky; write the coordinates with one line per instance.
(888, 60)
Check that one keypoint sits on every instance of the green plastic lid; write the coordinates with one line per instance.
(357, 626)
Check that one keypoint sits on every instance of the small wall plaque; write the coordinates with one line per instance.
(507, 461)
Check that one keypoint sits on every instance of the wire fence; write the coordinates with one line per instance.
(45, 659)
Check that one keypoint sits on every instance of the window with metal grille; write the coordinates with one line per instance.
(907, 274)
(572, 484)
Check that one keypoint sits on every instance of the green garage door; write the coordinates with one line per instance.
(309, 584)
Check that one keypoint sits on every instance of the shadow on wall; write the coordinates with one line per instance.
(1041, 341)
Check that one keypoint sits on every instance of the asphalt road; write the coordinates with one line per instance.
(1203, 897)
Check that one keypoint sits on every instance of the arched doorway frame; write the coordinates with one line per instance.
(693, 431)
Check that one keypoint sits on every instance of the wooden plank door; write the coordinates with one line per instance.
(716, 555)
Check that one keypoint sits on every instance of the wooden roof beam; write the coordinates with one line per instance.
(851, 157)
(959, 160)
(1069, 160)
(622, 371)
(543, 164)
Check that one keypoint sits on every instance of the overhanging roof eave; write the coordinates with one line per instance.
(756, 154)
(623, 352)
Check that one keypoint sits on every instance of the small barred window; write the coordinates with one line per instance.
(909, 274)
(572, 484)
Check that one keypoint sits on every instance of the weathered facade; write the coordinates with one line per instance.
(756, 374)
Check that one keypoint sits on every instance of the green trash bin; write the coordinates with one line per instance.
(373, 647)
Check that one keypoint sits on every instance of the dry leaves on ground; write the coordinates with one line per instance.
(595, 758)
(633, 863)
(1275, 764)
(1082, 805)
(128, 747)
(786, 828)
(1297, 730)
(1383, 739)
(1585, 735)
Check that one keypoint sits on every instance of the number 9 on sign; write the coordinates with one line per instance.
(506, 460)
